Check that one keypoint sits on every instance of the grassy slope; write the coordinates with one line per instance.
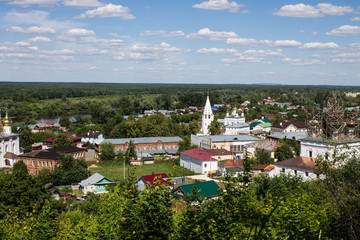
(115, 170)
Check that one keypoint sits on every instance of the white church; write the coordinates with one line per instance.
(9, 144)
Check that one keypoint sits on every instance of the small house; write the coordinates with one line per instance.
(96, 183)
(152, 179)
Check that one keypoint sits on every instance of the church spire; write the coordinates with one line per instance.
(207, 117)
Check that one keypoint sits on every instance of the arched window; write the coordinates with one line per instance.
(7, 162)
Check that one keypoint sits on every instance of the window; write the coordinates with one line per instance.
(50, 164)
(310, 153)
(283, 170)
(47, 164)
(39, 164)
(7, 162)
(205, 165)
(306, 174)
(295, 171)
(33, 163)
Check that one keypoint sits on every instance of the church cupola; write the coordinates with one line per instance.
(6, 122)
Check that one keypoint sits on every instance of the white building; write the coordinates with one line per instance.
(9, 145)
(233, 143)
(207, 117)
(198, 160)
(237, 128)
(322, 147)
(92, 137)
(305, 167)
(234, 118)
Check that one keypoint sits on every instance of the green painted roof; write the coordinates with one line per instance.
(265, 125)
(207, 189)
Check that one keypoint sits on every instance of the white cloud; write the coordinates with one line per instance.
(40, 39)
(31, 30)
(82, 3)
(318, 45)
(300, 62)
(287, 43)
(162, 52)
(162, 33)
(109, 11)
(308, 11)
(242, 41)
(219, 5)
(356, 19)
(345, 30)
(27, 3)
(252, 56)
(216, 50)
(260, 53)
(38, 18)
(93, 68)
(215, 36)
(80, 32)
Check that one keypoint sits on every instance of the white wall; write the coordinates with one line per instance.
(196, 165)
(291, 171)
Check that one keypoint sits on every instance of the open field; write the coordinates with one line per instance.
(115, 170)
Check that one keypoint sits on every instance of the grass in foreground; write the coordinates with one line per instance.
(115, 170)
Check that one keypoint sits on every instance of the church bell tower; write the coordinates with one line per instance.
(207, 117)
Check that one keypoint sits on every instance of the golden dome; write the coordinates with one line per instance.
(6, 121)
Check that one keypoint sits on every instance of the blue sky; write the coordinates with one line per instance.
(177, 41)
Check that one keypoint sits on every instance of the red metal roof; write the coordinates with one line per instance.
(199, 154)
(156, 178)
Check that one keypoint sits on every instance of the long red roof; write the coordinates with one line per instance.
(199, 154)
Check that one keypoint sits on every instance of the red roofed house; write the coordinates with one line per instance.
(289, 127)
(198, 160)
(160, 178)
(48, 142)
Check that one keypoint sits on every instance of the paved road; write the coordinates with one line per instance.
(202, 177)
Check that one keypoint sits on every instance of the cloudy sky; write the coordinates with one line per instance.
(181, 41)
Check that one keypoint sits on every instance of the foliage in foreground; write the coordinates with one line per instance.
(282, 207)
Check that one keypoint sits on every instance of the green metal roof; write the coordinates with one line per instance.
(207, 189)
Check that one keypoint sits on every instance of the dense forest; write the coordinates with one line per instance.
(30, 101)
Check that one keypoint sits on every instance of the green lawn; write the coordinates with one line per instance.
(115, 170)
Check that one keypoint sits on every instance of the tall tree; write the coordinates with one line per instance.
(284, 152)
(26, 139)
(62, 140)
(130, 151)
(107, 151)
(215, 127)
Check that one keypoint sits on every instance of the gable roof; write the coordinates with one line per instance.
(93, 179)
(90, 134)
(206, 189)
(199, 154)
(218, 152)
(301, 162)
(231, 138)
(264, 167)
(143, 140)
(284, 125)
(156, 178)
(51, 153)
(231, 163)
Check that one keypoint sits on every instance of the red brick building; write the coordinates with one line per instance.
(48, 158)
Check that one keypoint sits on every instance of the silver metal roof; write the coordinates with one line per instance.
(143, 140)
